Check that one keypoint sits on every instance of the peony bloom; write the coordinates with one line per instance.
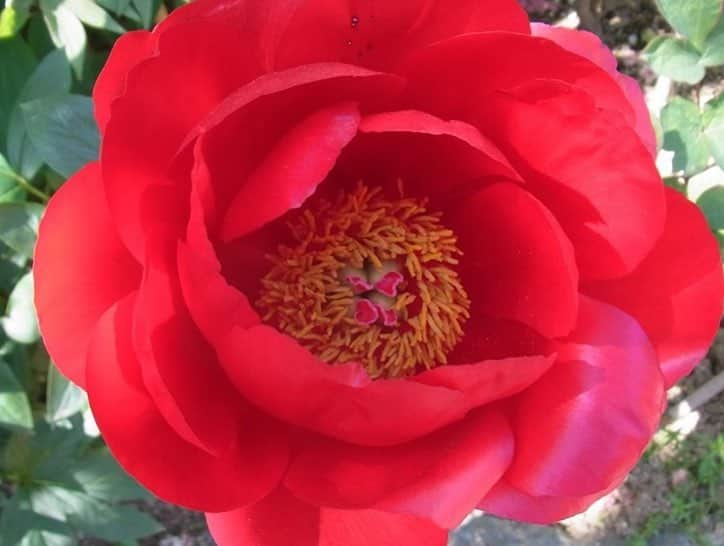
(346, 270)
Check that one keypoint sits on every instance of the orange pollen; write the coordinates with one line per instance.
(369, 280)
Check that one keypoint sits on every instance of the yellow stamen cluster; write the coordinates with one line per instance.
(306, 296)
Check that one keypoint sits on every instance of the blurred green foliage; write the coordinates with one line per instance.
(58, 482)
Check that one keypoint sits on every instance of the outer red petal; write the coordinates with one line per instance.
(584, 425)
(385, 32)
(281, 518)
(81, 268)
(180, 370)
(145, 445)
(276, 373)
(588, 45)
(277, 520)
(588, 167)
(518, 263)
(456, 90)
(215, 305)
(151, 119)
(439, 477)
(129, 50)
(434, 158)
(676, 293)
(506, 501)
(296, 32)
(489, 380)
(292, 170)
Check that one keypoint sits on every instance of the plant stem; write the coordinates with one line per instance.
(27, 186)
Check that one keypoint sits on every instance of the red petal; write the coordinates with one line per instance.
(179, 369)
(273, 371)
(588, 45)
(159, 107)
(505, 501)
(487, 338)
(81, 269)
(588, 167)
(145, 445)
(456, 90)
(292, 170)
(424, 149)
(278, 520)
(383, 33)
(676, 293)
(258, 117)
(365, 527)
(489, 380)
(281, 518)
(584, 425)
(214, 304)
(439, 477)
(296, 33)
(518, 264)
(129, 50)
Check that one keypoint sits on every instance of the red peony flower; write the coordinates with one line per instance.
(346, 270)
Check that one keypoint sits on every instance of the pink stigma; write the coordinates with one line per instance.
(366, 312)
(388, 284)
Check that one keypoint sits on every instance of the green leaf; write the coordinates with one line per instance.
(147, 10)
(676, 59)
(20, 323)
(51, 77)
(113, 523)
(100, 476)
(117, 7)
(11, 21)
(714, 128)
(12, 267)
(693, 18)
(16, 64)
(711, 202)
(23, 155)
(16, 356)
(66, 31)
(64, 399)
(38, 35)
(63, 130)
(15, 412)
(45, 538)
(53, 450)
(683, 135)
(94, 63)
(22, 527)
(92, 517)
(19, 226)
(9, 188)
(713, 51)
(93, 15)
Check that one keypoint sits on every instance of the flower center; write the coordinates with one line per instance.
(369, 280)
